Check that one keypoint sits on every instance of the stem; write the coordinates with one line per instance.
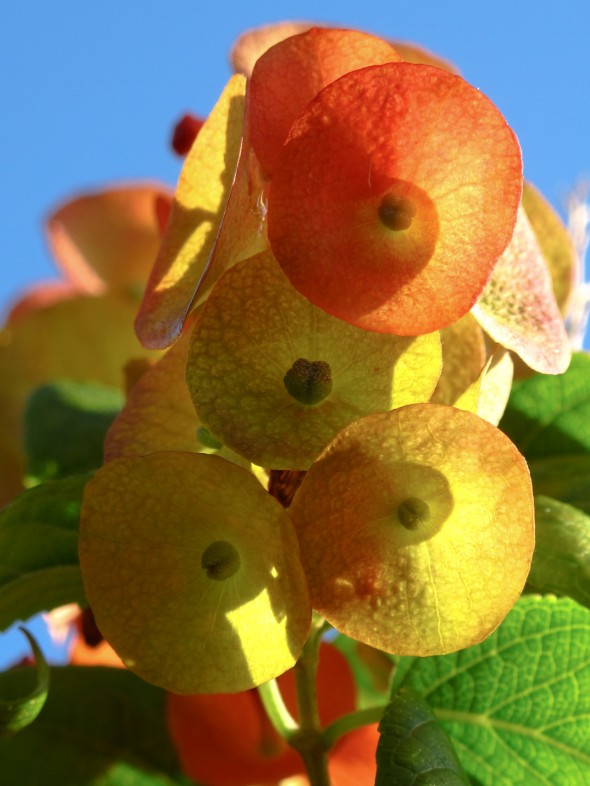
(308, 741)
(276, 709)
(353, 720)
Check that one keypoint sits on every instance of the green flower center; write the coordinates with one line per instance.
(309, 381)
(413, 512)
(396, 212)
(207, 439)
(220, 560)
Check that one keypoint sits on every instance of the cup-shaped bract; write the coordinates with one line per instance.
(204, 186)
(108, 240)
(488, 395)
(464, 356)
(184, 557)
(275, 378)
(292, 72)
(159, 415)
(253, 43)
(416, 529)
(518, 308)
(556, 244)
(395, 194)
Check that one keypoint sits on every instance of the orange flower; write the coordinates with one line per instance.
(393, 197)
(291, 73)
(226, 739)
(108, 240)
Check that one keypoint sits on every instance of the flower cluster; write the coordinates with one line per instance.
(340, 210)
(346, 273)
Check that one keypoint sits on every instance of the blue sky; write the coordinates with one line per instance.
(90, 91)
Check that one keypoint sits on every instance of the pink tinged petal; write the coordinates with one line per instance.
(518, 308)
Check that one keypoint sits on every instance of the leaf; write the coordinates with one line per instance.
(99, 727)
(82, 338)
(488, 395)
(561, 562)
(414, 748)
(550, 416)
(251, 44)
(464, 356)
(19, 704)
(39, 550)
(65, 426)
(372, 670)
(566, 478)
(517, 706)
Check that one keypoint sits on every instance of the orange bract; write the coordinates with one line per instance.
(291, 73)
(109, 239)
(395, 194)
(237, 744)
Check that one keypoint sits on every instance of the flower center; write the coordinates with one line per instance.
(412, 512)
(220, 560)
(396, 212)
(309, 381)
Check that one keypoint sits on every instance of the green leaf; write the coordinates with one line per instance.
(517, 706)
(65, 425)
(99, 727)
(19, 703)
(372, 670)
(566, 478)
(413, 748)
(39, 550)
(561, 563)
(550, 415)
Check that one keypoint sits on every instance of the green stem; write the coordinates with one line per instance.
(308, 740)
(277, 711)
(353, 720)
(306, 737)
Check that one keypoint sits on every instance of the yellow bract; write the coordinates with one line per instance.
(159, 414)
(193, 573)
(416, 529)
(252, 330)
(555, 242)
(488, 395)
(203, 189)
(464, 356)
